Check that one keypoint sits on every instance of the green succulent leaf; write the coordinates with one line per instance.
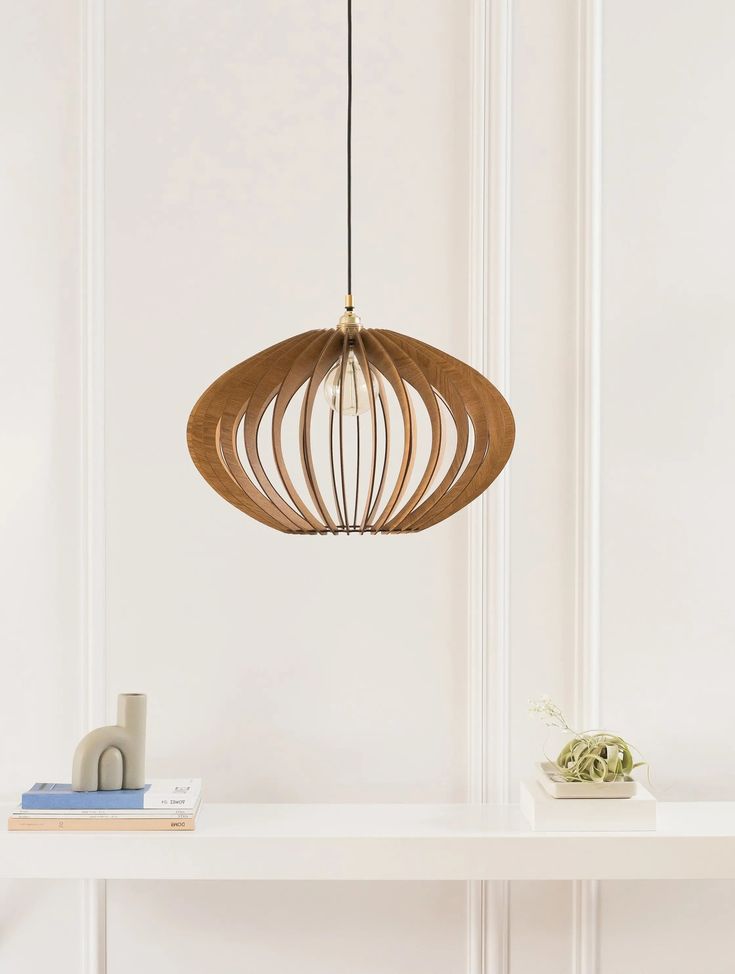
(597, 756)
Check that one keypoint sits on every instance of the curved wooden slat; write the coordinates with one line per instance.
(357, 471)
(325, 362)
(385, 413)
(411, 372)
(203, 437)
(301, 369)
(251, 414)
(445, 379)
(494, 428)
(366, 371)
(342, 377)
(378, 356)
(341, 516)
(235, 405)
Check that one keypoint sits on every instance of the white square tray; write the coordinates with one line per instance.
(558, 788)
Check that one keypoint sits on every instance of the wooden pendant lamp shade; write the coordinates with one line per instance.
(350, 430)
(434, 434)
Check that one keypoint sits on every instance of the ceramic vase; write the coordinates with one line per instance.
(109, 758)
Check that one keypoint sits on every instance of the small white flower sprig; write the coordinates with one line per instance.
(591, 755)
(548, 712)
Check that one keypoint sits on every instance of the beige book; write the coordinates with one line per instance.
(101, 824)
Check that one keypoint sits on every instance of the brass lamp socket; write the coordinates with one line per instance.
(350, 319)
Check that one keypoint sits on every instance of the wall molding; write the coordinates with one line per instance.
(93, 607)
(488, 549)
(585, 905)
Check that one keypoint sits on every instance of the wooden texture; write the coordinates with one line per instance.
(342, 455)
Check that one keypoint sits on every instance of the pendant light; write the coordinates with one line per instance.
(350, 429)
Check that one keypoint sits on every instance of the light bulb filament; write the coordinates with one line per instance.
(354, 398)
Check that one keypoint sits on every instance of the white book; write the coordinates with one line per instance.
(170, 793)
(547, 814)
(97, 813)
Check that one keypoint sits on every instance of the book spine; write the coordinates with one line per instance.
(101, 825)
(92, 801)
(169, 802)
(104, 813)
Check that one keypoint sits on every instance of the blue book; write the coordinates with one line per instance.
(58, 796)
(164, 793)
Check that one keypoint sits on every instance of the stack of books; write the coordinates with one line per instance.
(166, 805)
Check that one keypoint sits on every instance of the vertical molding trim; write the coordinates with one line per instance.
(488, 904)
(93, 607)
(589, 307)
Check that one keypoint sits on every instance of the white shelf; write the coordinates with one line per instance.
(381, 842)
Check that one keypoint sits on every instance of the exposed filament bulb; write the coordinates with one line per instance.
(355, 398)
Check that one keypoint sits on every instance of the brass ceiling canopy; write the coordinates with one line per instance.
(408, 435)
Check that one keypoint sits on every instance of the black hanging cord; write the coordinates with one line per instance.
(349, 150)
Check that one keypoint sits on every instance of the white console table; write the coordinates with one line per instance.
(381, 842)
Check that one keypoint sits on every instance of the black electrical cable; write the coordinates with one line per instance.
(349, 150)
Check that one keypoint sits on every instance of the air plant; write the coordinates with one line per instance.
(590, 755)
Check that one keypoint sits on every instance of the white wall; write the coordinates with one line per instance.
(668, 408)
(315, 669)
(40, 437)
